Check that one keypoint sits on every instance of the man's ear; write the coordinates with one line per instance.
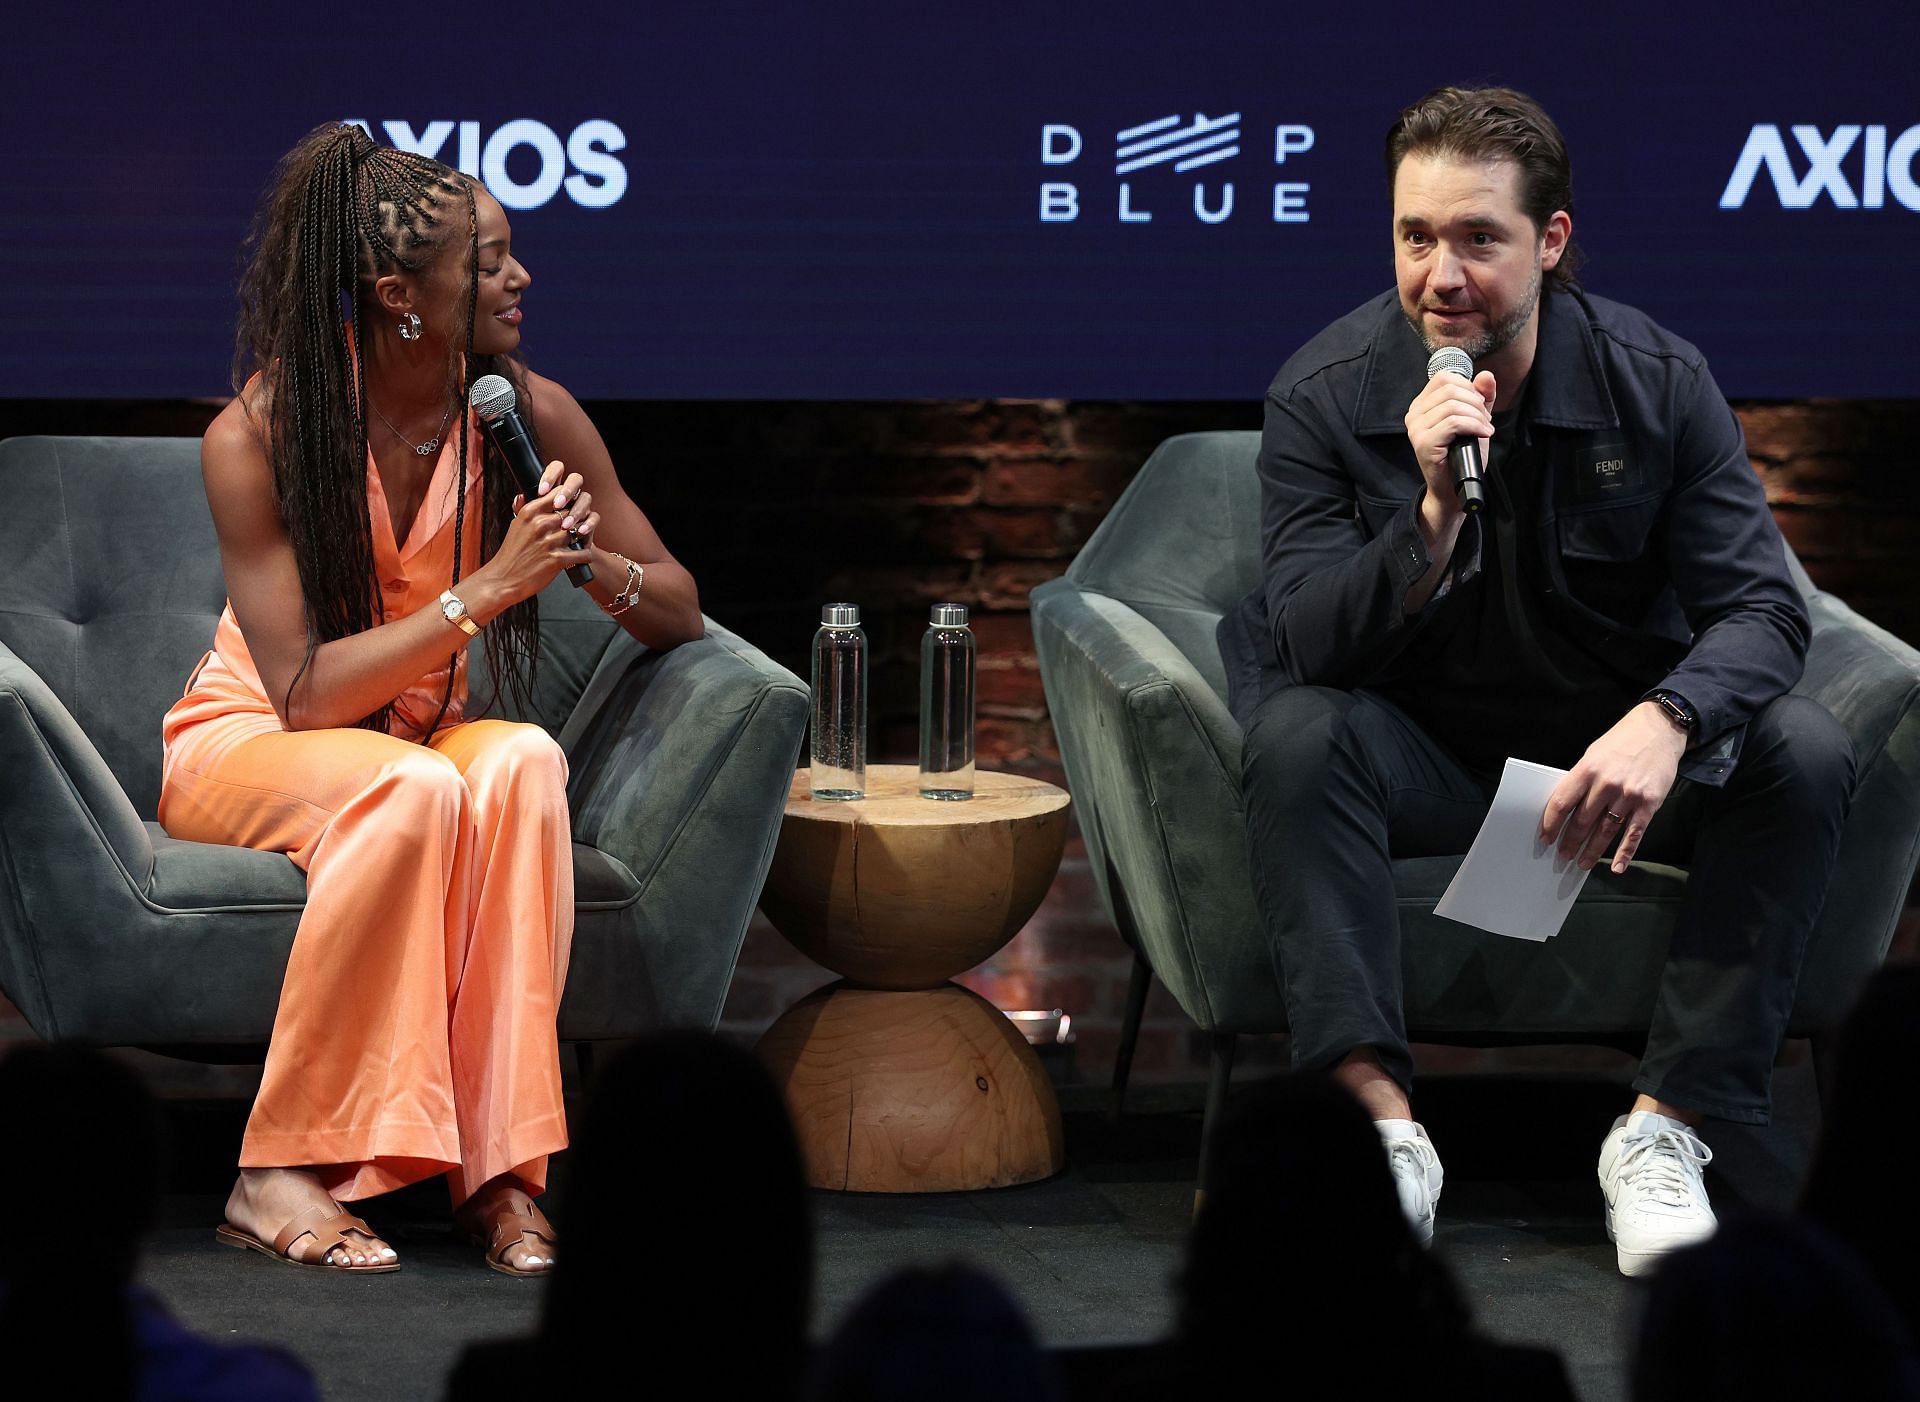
(1554, 239)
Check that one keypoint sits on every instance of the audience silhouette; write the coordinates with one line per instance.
(72, 1321)
(1825, 1304)
(934, 1334)
(1300, 1251)
(688, 1243)
(1770, 1309)
(689, 1252)
(1857, 1188)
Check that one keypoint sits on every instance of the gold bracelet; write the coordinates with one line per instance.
(629, 594)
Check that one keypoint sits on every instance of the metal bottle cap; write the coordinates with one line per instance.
(949, 616)
(840, 615)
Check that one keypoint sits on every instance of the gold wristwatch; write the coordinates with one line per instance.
(456, 613)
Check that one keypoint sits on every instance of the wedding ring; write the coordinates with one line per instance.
(1613, 817)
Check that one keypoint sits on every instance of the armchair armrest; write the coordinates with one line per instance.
(47, 758)
(1870, 680)
(680, 764)
(1153, 761)
(64, 819)
(680, 774)
(662, 727)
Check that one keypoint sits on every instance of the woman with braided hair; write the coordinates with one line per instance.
(368, 529)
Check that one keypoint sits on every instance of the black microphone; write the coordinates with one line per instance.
(493, 400)
(1464, 455)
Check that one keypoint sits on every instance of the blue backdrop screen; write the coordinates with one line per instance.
(859, 200)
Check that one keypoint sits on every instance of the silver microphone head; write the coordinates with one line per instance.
(491, 396)
(1447, 358)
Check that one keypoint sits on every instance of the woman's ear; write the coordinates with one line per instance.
(394, 294)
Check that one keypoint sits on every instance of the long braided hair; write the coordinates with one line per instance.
(341, 212)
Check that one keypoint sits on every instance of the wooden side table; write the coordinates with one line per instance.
(899, 1080)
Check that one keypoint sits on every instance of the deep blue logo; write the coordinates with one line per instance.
(1171, 145)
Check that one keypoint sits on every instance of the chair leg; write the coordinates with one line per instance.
(1825, 1047)
(1137, 989)
(1220, 1075)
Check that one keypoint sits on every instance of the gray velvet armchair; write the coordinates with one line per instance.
(113, 933)
(1136, 690)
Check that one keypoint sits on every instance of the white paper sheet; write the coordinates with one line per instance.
(1511, 883)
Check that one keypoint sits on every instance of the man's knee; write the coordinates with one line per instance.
(1296, 732)
(1799, 744)
(1311, 746)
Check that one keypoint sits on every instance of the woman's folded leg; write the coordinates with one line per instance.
(359, 1081)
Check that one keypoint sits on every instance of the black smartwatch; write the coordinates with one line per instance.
(1677, 709)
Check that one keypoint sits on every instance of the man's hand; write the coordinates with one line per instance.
(1616, 788)
(1448, 408)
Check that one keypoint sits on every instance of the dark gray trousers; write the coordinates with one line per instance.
(1338, 783)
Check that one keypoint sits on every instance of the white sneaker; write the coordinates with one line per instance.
(1416, 1173)
(1650, 1169)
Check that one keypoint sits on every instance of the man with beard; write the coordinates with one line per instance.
(1621, 608)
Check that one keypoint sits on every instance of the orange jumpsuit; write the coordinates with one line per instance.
(416, 1028)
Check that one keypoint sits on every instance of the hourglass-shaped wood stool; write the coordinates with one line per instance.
(900, 1081)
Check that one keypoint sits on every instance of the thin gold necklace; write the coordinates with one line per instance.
(420, 449)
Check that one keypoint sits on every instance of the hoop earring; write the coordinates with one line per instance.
(409, 327)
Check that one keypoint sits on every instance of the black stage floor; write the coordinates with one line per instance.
(1091, 1253)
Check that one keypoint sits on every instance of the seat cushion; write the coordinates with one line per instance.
(1597, 978)
(202, 876)
(206, 876)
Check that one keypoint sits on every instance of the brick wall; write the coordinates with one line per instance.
(778, 507)
(1844, 487)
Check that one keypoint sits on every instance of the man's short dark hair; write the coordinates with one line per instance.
(1494, 124)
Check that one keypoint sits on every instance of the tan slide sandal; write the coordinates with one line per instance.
(328, 1229)
(511, 1228)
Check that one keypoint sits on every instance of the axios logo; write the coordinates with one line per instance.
(598, 179)
(1204, 141)
(1883, 169)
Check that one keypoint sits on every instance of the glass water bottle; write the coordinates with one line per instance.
(946, 705)
(839, 768)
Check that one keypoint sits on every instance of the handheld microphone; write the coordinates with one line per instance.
(1464, 455)
(493, 400)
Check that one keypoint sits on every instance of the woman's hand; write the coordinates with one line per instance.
(668, 612)
(537, 544)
